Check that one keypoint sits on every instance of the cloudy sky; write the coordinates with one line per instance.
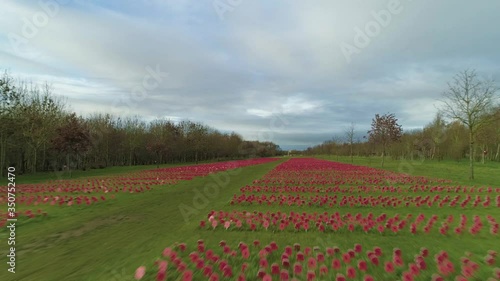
(292, 72)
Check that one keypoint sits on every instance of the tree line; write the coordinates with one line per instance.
(467, 126)
(438, 140)
(39, 133)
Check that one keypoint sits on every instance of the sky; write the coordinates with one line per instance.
(296, 73)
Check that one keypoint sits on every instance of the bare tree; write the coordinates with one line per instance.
(41, 113)
(134, 129)
(349, 133)
(469, 99)
(435, 133)
(333, 145)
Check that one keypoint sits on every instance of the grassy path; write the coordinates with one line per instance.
(107, 241)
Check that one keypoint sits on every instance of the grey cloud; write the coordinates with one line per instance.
(264, 59)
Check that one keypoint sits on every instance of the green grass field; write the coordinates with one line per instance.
(110, 240)
(79, 174)
(485, 174)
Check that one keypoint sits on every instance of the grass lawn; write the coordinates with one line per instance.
(484, 174)
(79, 174)
(110, 240)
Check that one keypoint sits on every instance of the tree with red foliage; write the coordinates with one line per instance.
(385, 130)
(73, 138)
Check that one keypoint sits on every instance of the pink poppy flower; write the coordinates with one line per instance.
(139, 272)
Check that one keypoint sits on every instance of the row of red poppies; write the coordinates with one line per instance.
(267, 262)
(141, 179)
(336, 223)
(364, 201)
(297, 171)
(368, 189)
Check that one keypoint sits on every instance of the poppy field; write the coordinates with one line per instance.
(31, 198)
(293, 262)
(271, 219)
(311, 219)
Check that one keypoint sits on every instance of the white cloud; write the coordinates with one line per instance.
(259, 112)
(299, 105)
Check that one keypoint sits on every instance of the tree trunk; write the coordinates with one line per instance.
(34, 160)
(3, 148)
(498, 152)
(44, 158)
(107, 152)
(23, 162)
(352, 161)
(68, 166)
(482, 160)
(471, 154)
(383, 156)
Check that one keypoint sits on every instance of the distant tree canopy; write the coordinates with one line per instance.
(38, 133)
(72, 137)
(437, 140)
(467, 126)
